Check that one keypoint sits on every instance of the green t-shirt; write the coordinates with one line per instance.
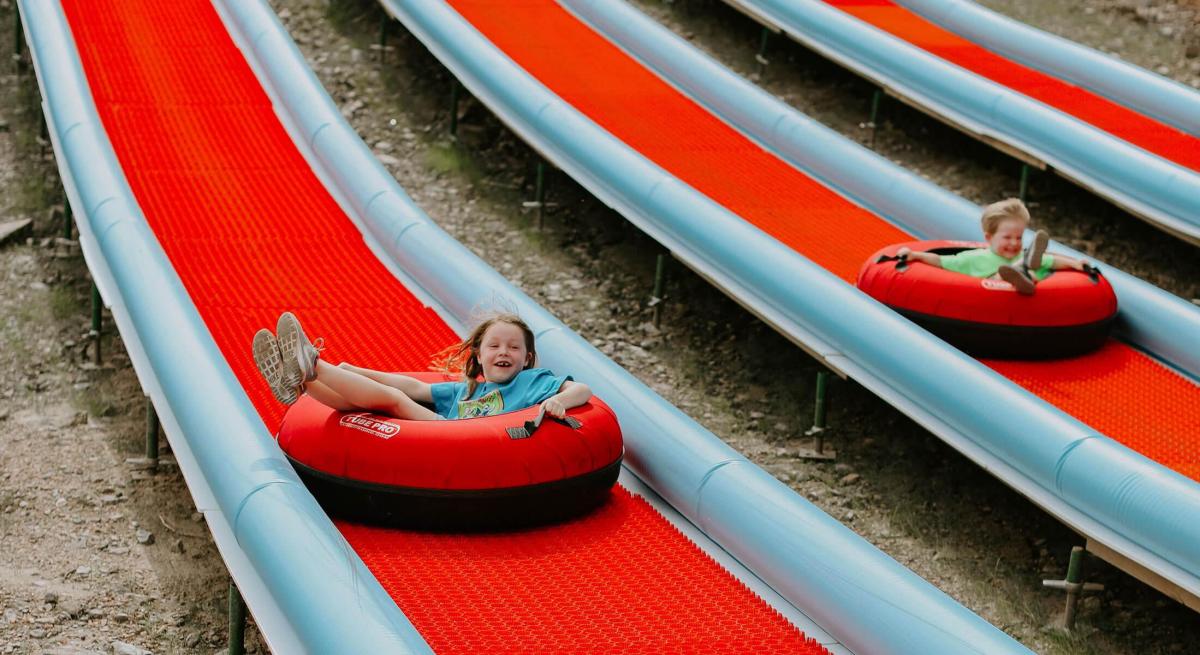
(982, 262)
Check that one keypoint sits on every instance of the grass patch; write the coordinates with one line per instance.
(452, 159)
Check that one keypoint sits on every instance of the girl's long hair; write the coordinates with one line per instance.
(464, 357)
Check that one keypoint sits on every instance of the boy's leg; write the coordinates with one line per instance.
(1022, 283)
(365, 393)
(1033, 254)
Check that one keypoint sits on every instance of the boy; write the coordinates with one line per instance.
(1003, 224)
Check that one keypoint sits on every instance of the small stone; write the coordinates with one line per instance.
(83, 570)
(850, 478)
(96, 613)
(37, 633)
(144, 536)
(122, 648)
(50, 598)
(60, 501)
(121, 617)
(192, 640)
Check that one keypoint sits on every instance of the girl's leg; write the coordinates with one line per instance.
(365, 393)
(326, 396)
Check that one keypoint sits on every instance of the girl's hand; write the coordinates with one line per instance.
(555, 407)
(903, 251)
(1079, 264)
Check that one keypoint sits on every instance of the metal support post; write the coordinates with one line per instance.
(817, 431)
(454, 108)
(68, 219)
(660, 283)
(18, 40)
(876, 100)
(153, 428)
(538, 204)
(383, 30)
(761, 56)
(97, 306)
(237, 621)
(1024, 182)
(1073, 585)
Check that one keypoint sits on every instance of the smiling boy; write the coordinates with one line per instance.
(1003, 224)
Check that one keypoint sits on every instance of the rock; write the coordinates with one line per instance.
(37, 633)
(96, 613)
(122, 648)
(14, 230)
(850, 478)
(144, 536)
(83, 570)
(50, 597)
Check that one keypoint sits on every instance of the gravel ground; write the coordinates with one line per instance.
(74, 577)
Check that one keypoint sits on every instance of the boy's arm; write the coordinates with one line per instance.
(570, 394)
(412, 387)
(918, 256)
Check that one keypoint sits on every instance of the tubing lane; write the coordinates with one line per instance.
(1164, 192)
(275, 522)
(1007, 423)
(796, 547)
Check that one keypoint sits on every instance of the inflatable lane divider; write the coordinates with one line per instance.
(266, 526)
(1161, 323)
(1150, 186)
(709, 236)
(1152, 94)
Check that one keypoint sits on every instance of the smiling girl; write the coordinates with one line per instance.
(500, 349)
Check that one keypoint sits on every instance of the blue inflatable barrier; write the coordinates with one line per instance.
(1152, 94)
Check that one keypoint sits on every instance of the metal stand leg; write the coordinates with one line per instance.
(761, 56)
(153, 429)
(817, 431)
(1074, 586)
(18, 40)
(68, 219)
(237, 621)
(876, 100)
(660, 283)
(538, 204)
(1024, 182)
(454, 109)
(97, 306)
(383, 30)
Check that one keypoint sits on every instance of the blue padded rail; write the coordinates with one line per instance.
(1152, 94)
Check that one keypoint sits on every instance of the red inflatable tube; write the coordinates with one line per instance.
(466, 474)
(1071, 313)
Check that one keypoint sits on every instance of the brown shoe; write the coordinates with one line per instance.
(1023, 284)
(1033, 254)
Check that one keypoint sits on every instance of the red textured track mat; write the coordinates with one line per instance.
(1117, 390)
(1166, 141)
(252, 232)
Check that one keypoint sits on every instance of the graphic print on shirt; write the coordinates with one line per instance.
(486, 405)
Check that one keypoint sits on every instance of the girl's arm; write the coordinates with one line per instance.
(1062, 261)
(412, 387)
(918, 256)
(570, 394)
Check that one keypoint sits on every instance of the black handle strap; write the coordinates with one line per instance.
(902, 259)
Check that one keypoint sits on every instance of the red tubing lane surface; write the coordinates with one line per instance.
(1117, 390)
(252, 232)
(1166, 141)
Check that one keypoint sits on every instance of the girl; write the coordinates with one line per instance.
(500, 349)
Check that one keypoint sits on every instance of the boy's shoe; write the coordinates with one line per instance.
(1021, 282)
(1033, 254)
(298, 354)
(270, 364)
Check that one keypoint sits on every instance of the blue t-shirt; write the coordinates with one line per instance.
(526, 389)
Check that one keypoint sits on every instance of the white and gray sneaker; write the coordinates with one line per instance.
(298, 353)
(270, 364)
(1033, 254)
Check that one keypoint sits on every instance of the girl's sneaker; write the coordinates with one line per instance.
(270, 364)
(298, 354)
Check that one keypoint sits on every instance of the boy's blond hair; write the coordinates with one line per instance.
(998, 212)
